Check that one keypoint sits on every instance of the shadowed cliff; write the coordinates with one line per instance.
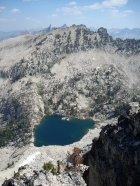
(114, 159)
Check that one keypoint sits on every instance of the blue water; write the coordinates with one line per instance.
(55, 131)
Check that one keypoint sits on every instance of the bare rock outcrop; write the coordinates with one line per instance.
(114, 159)
(72, 177)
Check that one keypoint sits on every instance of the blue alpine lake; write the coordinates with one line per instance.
(55, 131)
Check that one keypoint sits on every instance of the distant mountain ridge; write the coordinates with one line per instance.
(125, 33)
(12, 34)
(5, 35)
(50, 28)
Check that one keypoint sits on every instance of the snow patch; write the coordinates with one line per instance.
(97, 68)
(29, 159)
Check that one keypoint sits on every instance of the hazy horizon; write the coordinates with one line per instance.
(32, 14)
(37, 29)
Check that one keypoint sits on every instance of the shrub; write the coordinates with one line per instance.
(16, 175)
(48, 166)
(54, 171)
(122, 107)
(75, 158)
(58, 166)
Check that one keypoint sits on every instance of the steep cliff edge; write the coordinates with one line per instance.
(114, 159)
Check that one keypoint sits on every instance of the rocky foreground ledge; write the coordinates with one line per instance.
(114, 159)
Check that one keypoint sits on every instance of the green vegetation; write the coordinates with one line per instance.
(101, 99)
(54, 171)
(40, 42)
(122, 107)
(50, 167)
(30, 184)
(17, 124)
(10, 164)
(18, 71)
(86, 32)
(41, 92)
(67, 167)
(58, 166)
(16, 175)
(136, 98)
(57, 36)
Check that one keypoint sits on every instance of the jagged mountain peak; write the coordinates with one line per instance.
(102, 30)
(64, 26)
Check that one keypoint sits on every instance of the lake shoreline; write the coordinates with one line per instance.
(58, 130)
(46, 153)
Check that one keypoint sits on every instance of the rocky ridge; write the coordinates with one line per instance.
(67, 178)
(114, 156)
(70, 71)
(125, 33)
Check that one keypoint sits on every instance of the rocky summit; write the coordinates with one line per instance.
(114, 157)
(70, 71)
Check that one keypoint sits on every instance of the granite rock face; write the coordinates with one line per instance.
(114, 159)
